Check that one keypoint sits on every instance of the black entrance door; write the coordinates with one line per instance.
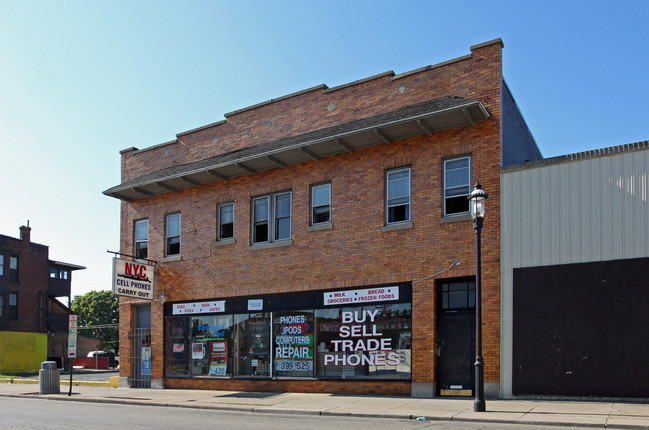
(456, 338)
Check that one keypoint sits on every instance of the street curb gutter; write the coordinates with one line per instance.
(110, 383)
(330, 413)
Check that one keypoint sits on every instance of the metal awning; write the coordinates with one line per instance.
(424, 118)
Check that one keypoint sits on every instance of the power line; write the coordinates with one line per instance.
(90, 327)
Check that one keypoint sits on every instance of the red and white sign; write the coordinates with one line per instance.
(219, 363)
(72, 322)
(369, 295)
(199, 307)
(133, 279)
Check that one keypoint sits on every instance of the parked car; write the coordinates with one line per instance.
(111, 359)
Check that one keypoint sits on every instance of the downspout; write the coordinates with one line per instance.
(41, 294)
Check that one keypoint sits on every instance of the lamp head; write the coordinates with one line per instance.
(477, 201)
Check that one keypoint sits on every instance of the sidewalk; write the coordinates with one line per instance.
(559, 413)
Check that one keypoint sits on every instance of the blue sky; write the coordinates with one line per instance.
(81, 80)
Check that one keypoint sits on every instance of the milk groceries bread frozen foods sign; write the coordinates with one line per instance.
(352, 297)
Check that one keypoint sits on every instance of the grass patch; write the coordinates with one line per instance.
(13, 375)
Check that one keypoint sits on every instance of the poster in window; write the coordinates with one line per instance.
(293, 338)
(365, 342)
(219, 361)
(198, 351)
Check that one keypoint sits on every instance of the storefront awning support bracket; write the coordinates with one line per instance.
(132, 256)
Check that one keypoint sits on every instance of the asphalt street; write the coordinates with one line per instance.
(32, 414)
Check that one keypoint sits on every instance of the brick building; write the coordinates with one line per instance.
(29, 285)
(294, 240)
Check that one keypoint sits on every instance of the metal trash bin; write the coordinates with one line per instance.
(49, 378)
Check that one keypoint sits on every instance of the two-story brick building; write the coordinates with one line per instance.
(294, 240)
(32, 322)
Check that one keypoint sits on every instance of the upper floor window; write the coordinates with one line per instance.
(13, 306)
(226, 221)
(2, 265)
(320, 204)
(457, 185)
(2, 306)
(13, 269)
(59, 273)
(397, 199)
(271, 217)
(142, 239)
(172, 235)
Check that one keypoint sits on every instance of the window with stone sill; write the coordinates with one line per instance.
(271, 217)
(398, 196)
(141, 233)
(457, 185)
(172, 235)
(226, 221)
(321, 204)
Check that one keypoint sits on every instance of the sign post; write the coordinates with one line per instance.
(72, 344)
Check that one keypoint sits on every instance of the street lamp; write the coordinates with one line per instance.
(477, 207)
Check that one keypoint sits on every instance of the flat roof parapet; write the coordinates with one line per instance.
(601, 152)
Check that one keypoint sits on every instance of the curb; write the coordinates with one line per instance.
(114, 382)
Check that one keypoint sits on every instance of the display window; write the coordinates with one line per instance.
(372, 341)
(364, 341)
(211, 346)
(252, 332)
(293, 343)
(177, 345)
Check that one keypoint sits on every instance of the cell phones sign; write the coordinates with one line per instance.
(133, 279)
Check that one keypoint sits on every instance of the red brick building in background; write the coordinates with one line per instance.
(29, 284)
(294, 240)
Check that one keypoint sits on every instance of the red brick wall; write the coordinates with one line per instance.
(341, 387)
(355, 252)
(33, 274)
(125, 347)
(476, 77)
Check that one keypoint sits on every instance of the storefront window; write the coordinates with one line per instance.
(177, 346)
(252, 332)
(293, 343)
(305, 335)
(364, 342)
(211, 346)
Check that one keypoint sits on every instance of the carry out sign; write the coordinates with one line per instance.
(133, 279)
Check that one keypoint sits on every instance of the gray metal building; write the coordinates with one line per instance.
(575, 275)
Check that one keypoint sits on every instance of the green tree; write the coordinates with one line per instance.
(98, 308)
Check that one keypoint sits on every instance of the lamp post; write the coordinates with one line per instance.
(477, 207)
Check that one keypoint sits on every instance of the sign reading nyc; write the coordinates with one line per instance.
(133, 279)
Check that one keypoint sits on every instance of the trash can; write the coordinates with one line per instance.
(49, 378)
